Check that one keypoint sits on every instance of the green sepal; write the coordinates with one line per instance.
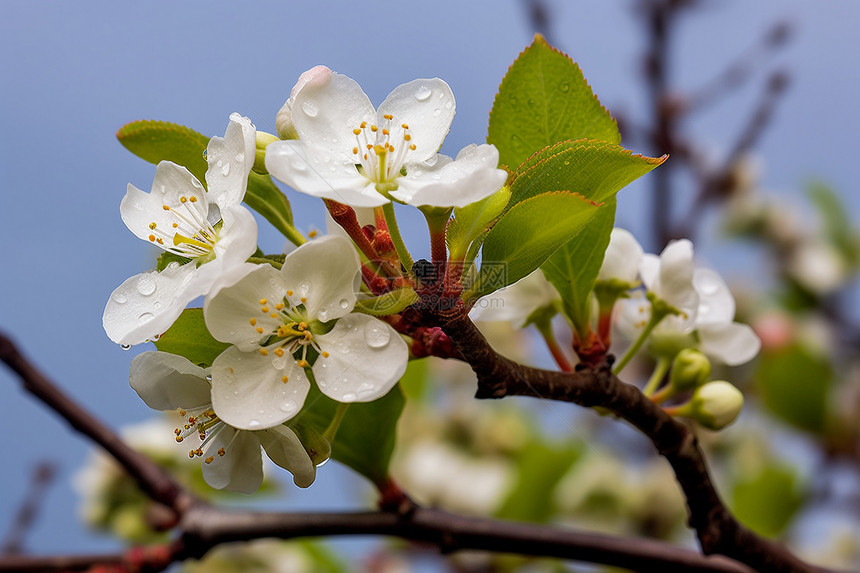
(167, 257)
(525, 237)
(544, 99)
(389, 303)
(189, 337)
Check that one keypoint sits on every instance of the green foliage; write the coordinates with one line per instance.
(597, 170)
(544, 99)
(794, 385)
(366, 436)
(766, 502)
(473, 221)
(574, 267)
(524, 237)
(388, 303)
(414, 383)
(189, 337)
(157, 141)
(540, 467)
(836, 225)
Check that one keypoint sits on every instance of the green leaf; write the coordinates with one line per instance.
(388, 303)
(594, 169)
(367, 433)
(471, 221)
(157, 141)
(795, 385)
(189, 337)
(837, 226)
(767, 501)
(544, 99)
(574, 267)
(525, 237)
(540, 467)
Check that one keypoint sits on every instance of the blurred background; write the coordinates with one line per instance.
(754, 101)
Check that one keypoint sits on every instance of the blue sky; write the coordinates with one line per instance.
(73, 73)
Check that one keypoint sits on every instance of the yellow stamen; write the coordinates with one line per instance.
(152, 238)
(253, 322)
(183, 199)
(279, 351)
(152, 225)
(263, 300)
(289, 293)
(264, 352)
(259, 330)
(325, 354)
(284, 379)
(302, 363)
(264, 309)
(221, 452)
(279, 306)
(193, 199)
(209, 459)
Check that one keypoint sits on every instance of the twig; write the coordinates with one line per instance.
(717, 529)
(151, 479)
(43, 475)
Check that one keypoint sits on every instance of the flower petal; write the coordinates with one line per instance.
(237, 237)
(145, 305)
(326, 273)
(716, 303)
(320, 173)
(516, 302)
(324, 114)
(172, 181)
(676, 278)
(473, 176)
(248, 391)
(234, 313)
(366, 359)
(427, 106)
(230, 161)
(168, 382)
(285, 449)
(623, 257)
(731, 343)
(241, 467)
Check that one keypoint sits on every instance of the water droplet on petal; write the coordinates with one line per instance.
(299, 165)
(145, 317)
(423, 93)
(172, 266)
(376, 335)
(146, 285)
(254, 424)
(209, 378)
(448, 105)
(125, 346)
(303, 288)
(344, 304)
(437, 112)
(348, 397)
(310, 108)
(431, 161)
(288, 406)
(279, 362)
(240, 157)
(156, 305)
(119, 298)
(225, 169)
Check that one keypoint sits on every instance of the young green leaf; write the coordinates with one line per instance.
(471, 221)
(574, 267)
(366, 436)
(768, 500)
(156, 141)
(189, 337)
(388, 303)
(525, 237)
(596, 170)
(544, 99)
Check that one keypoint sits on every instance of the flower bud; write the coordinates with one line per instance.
(263, 140)
(690, 369)
(714, 405)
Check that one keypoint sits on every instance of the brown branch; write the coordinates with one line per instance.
(43, 476)
(206, 527)
(149, 476)
(717, 529)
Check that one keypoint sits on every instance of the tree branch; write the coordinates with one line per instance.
(151, 479)
(717, 529)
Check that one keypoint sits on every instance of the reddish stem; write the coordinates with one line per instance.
(344, 216)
